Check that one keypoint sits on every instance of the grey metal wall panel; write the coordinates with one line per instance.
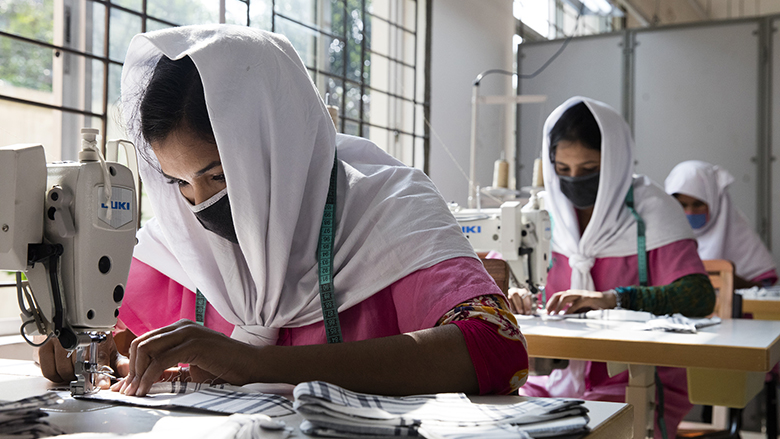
(775, 144)
(589, 67)
(696, 97)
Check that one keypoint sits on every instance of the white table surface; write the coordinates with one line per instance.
(20, 379)
(742, 345)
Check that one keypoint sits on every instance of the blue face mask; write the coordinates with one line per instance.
(697, 220)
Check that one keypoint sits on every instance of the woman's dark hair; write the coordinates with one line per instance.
(173, 100)
(577, 124)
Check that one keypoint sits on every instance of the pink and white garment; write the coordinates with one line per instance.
(277, 145)
(727, 233)
(610, 242)
(418, 301)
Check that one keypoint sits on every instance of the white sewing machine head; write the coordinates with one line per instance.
(521, 233)
(70, 228)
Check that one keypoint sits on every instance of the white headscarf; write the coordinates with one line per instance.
(611, 231)
(727, 233)
(277, 144)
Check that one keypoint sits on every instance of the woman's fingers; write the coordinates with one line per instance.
(520, 301)
(572, 301)
(49, 357)
(131, 365)
(562, 300)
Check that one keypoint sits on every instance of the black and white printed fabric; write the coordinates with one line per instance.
(26, 419)
(330, 410)
(222, 398)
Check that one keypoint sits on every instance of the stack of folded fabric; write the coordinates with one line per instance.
(25, 419)
(680, 323)
(330, 410)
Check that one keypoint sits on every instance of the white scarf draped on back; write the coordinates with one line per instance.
(277, 145)
(727, 234)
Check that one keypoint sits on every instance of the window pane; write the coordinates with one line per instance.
(302, 39)
(419, 152)
(410, 13)
(298, 10)
(405, 148)
(115, 118)
(380, 8)
(98, 29)
(405, 80)
(28, 18)
(260, 14)
(353, 103)
(337, 25)
(355, 36)
(26, 66)
(235, 12)
(21, 123)
(185, 12)
(97, 72)
(129, 4)
(351, 128)
(9, 307)
(124, 26)
(155, 25)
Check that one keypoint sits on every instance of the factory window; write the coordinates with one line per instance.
(550, 19)
(61, 62)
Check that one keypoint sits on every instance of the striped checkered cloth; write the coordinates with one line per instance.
(332, 410)
(222, 398)
(24, 418)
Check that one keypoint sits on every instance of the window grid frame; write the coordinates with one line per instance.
(107, 62)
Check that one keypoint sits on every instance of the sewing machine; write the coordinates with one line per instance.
(521, 233)
(70, 228)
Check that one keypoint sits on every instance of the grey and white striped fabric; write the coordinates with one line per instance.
(25, 419)
(220, 398)
(329, 409)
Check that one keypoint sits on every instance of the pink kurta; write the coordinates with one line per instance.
(415, 302)
(665, 265)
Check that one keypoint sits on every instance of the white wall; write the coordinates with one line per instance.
(468, 37)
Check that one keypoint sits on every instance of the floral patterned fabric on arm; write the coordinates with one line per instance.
(497, 348)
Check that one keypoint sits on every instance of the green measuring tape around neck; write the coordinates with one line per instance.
(200, 308)
(330, 313)
(641, 251)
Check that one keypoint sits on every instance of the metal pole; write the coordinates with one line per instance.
(473, 148)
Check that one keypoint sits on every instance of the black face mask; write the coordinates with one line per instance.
(214, 215)
(582, 190)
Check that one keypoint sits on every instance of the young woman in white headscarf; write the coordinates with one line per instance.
(722, 230)
(332, 260)
(599, 258)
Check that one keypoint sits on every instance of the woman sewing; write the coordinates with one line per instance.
(332, 260)
(721, 229)
(618, 241)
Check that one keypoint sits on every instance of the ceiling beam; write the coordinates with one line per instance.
(700, 12)
(635, 12)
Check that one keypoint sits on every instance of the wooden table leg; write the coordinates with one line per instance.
(641, 394)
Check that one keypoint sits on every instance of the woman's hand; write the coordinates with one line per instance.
(521, 301)
(57, 364)
(572, 301)
(211, 355)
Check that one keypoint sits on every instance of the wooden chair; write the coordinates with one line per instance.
(498, 269)
(721, 274)
(725, 421)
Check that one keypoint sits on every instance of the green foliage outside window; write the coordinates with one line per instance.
(23, 64)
